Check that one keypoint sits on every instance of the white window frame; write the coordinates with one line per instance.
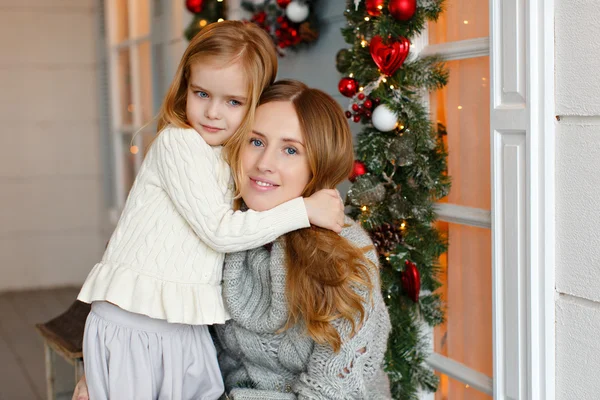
(521, 49)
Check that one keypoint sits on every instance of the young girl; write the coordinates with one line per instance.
(158, 285)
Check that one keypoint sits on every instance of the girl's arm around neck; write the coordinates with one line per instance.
(187, 168)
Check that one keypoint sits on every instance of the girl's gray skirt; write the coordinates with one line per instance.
(132, 356)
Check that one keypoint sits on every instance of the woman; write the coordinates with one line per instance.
(308, 319)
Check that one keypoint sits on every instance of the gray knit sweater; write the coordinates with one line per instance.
(258, 363)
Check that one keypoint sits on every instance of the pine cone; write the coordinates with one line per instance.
(386, 237)
(307, 33)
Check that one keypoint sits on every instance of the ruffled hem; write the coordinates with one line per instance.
(184, 303)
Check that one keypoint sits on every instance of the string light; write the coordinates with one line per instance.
(384, 80)
(380, 7)
(130, 108)
(364, 43)
(351, 75)
(460, 107)
(392, 87)
(360, 89)
(364, 208)
(220, 20)
(403, 225)
(466, 22)
(203, 23)
(367, 19)
(387, 258)
(134, 149)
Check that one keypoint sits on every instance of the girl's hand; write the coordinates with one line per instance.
(81, 390)
(326, 209)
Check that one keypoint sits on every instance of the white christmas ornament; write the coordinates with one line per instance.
(384, 119)
(297, 11)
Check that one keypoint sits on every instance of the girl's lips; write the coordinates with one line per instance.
(262, 188)
(211, 129)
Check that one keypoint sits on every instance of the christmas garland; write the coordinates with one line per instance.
(291, 23)
(399, 173)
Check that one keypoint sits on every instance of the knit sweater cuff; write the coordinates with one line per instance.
(254, 394)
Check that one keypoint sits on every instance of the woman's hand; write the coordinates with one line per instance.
(326, 209)
(81, 390)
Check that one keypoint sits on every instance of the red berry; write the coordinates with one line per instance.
(376, 101)
(368, 114)
(361, 96)
(355, 107)
(348, 114)
(356, 118)
(368, 104)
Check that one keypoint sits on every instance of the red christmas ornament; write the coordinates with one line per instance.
(194, 6)
(358, 169)
(283, 3)
(374, 7)
(348, 86)
(361, 96)
(402, 10)
(411, 281)
(260, 18)
(368, 104)
(355, 107)
(389, 57)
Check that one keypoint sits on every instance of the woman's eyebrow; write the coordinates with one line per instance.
(293, 140)
(282, 139)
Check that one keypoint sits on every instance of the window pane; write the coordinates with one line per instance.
(462, 19)
(466, 276)
(145, 65)
(129, 170)
(141, 18)
(451, 389)
(463, 106)
(121, 21)
(124, 77)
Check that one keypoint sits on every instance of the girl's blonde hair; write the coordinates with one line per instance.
(324, 269)
(226, 42)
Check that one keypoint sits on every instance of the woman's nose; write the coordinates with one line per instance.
(266, 163)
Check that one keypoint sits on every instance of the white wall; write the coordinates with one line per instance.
(577, 192)
(50, 176)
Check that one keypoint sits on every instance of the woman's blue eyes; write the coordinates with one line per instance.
(202, 94)
(290, 151)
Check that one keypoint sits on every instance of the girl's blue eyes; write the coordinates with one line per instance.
(204, 95)
(290, 151)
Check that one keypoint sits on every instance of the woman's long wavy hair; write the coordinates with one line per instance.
(324, 270)
(225, 43)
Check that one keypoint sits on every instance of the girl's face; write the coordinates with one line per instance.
(216, 100)
(274, 160)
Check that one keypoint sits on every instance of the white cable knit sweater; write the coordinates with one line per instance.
(165, 257)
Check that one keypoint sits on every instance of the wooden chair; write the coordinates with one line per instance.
(63, 335)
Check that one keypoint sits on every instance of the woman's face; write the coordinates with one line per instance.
(274, 160)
